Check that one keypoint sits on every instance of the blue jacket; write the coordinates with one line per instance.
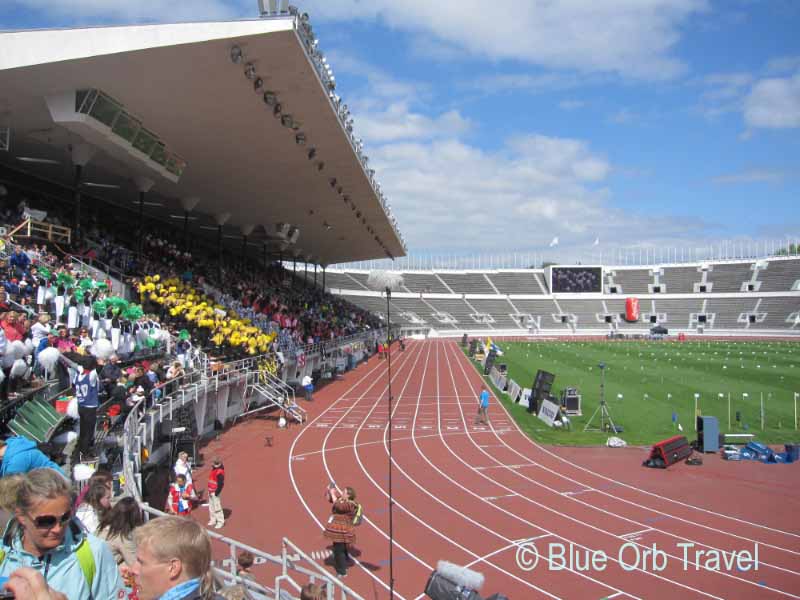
(61, 567)
(22, 456)
(19, 260)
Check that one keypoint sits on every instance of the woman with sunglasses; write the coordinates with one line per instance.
(44, 535)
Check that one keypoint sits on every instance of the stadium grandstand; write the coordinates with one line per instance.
(202, 281)
(147, 207)
(733, 297)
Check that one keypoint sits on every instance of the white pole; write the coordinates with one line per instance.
(795, 410)
(729, 411)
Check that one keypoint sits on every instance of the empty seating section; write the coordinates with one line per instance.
(586, 312)
(424, 283)
(543, 309)
(778, 310)
(632, 281)
(616, 306)
(678, 311)
(779, 276)
(729, 277)
(728, 310)
(722, 313)
(416, 306)
(518, 282)
(360, 278)
(500, 311)
(679, 280)
(459, 310)
(337, 280)
(467, 283)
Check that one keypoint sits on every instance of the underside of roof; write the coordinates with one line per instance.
(238, 107)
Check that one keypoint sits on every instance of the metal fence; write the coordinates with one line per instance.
(295, 566)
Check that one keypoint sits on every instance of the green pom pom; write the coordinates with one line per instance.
(133, 312)
(184, 334)
(85, 284)
(117, 303)
(65, 279)
(99, 306)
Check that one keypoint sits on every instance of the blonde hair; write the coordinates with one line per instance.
(312, 591)
(24, 491)
(178, 537)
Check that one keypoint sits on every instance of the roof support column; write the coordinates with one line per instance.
(315, 274)
(323, 278)
(188, 205)
(220, 219)
(246, 231)
(144, 185)
(81, 155)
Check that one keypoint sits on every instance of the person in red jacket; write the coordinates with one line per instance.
(181, 495)
(216, 481)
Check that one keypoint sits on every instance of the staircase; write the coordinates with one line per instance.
(274, 393)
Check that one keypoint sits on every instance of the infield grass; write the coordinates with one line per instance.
(646, 382)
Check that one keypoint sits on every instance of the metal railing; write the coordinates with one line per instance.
(139, 433)
(291, 561)
(52, 233)
(99, 269)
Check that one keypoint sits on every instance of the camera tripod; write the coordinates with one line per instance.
(606, 422)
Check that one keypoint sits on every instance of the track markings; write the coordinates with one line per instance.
(636, 535)
(499, 497)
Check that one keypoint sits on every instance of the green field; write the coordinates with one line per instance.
(645, 382)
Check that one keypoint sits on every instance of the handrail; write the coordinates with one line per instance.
(54, 233)
(285, 560)
(100, 267)
(140, 426)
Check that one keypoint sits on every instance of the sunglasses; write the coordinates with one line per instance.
(50, 521)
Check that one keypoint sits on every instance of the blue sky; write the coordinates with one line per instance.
(496, 126)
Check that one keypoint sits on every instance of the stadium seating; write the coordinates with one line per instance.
(629, 281)
(779, 276)
(426, 283)
(468, 283)
(678, 280)
(517, 282)
(518, 301)
(729, 277)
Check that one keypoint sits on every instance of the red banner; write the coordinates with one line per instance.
(632, 310)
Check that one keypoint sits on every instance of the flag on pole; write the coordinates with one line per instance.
(554, 242)
(596, 241)
(680, 427)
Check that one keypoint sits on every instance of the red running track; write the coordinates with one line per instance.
(492, 499)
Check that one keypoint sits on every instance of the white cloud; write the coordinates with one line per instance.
(634, 38)
(451, 196)
(751, 176)
(397, 122)
(774, 103)
(765, 103)
(127, 11)
(723, 93)
(525, 82)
